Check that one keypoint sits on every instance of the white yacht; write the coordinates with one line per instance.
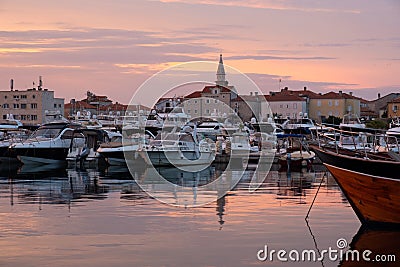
(211, 129)
(240, 144)
(116, 150)
(178, 149)
(300, 125)
(10, 123)
(48, 144)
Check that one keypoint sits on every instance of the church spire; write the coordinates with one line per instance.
(221, 73)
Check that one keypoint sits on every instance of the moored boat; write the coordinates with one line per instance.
(370, 185)
(378, 164)
(49, 144)
(178, 149)
(375, 199)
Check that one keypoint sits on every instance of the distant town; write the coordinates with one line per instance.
(32, 105)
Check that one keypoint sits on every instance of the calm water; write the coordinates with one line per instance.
(59, 217)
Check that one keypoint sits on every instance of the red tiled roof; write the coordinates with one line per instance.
(301, 93)
(195, 94)
(79, 105)
(334, 95)
(116, 106)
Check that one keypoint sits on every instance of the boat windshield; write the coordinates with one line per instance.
(46, 133)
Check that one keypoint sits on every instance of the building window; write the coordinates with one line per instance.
(319, 103)
(55, 105)
(33, 105)
(330, 103)
(294, 105)
(207, 111)
(207, 101)
(195, 101)
(349, 108)
(281, 106)
(59, 105)
(288, 115)
(195, 111)
(330, 113)
(5, 97)
(215, 101)
(16, 105)
(336, 102)
(215, 91)
(188, 110)
(287, 106)
(6, 106)
(294, 115)
(23, 117)
(394, 108)
(34, 117)
(16, 117)
(4, 116)
(23, 96)
(33, 96)
(16, 96)
(23, 106)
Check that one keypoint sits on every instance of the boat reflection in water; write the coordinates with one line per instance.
(46, 185)
(60, 185)
(383, 243)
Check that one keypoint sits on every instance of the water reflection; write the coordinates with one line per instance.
(90, 203)
(381, 242)
(47, 184)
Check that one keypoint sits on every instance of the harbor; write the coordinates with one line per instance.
(201, 133)
(196, 168)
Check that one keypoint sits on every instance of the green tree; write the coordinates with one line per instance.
(377, 124)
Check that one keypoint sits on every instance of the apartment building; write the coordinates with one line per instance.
(333, 104)
(30, 106)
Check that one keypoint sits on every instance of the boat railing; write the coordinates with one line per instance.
(368, 141)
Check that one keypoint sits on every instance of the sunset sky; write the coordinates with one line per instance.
(111, 47)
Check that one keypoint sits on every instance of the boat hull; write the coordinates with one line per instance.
(34, 155)
(383, 168)
(176, 158)
(374, 199)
